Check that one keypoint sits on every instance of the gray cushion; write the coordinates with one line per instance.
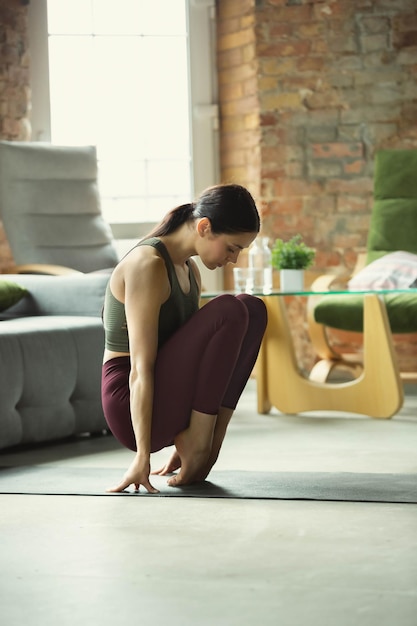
(50, 206)
(74, 294)
(50, 368)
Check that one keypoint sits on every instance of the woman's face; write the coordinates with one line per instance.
(218, 250)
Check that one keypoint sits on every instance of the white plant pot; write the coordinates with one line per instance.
(292, 280)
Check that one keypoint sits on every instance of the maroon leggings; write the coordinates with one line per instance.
(204, 365)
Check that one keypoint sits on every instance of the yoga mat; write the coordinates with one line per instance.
(52, 479)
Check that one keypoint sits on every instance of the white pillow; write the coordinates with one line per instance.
(397, 270)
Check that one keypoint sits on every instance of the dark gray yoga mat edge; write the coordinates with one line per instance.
(50, 479)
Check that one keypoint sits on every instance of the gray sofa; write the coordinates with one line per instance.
(51, 349)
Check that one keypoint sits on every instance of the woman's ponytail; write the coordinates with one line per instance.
(173, 220)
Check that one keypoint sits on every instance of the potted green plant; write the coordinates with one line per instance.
(291, 258)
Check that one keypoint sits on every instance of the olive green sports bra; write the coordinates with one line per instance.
(173, 313)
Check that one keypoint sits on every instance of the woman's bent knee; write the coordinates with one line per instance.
(255, 306)
(229, 308)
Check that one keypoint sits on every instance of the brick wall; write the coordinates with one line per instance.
(14, 89)
(322, 85)
(240, 140)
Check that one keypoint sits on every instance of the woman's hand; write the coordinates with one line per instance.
(137, 474)
(173, 464)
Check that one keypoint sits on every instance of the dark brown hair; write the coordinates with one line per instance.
(229, 207)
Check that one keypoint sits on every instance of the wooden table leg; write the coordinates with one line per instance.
(377, 392)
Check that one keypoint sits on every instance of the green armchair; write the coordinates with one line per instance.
(393, 227)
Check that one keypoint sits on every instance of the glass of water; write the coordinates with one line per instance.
(241, 279)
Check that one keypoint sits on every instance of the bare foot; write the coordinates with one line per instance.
(193, 460)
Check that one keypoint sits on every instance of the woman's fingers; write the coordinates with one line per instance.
(150, 488)
(161, 472)
(126, 483)
(118, 488)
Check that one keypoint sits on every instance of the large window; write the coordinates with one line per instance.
(119, 74)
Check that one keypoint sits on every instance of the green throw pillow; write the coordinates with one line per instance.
(10, 293)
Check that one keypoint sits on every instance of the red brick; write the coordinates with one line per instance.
(270, 172)
(353, 186)
(374, 24)
(370, 43)
(276, 66)
(327, 258)
(294, 169)
(241, 106)
(329, 11)
(292, 14)
(405, 22)
(286, 49)
(355, 167)
(233, 158)
(267, 83)
(348, 239)
(292, 82)
(237, 175)
(407, 57)
(293, 205)
(248, 53)
(352, 204)
(281, 30)
(337, 150)
(272, 154)
(247, 20)
(311, 63)
(330, 98)
(225, 27)
(235, 40)
(230, 91)
(404, 40)
(311, 29)
(324, 169)
(232, 124)
(268, 118)
(299, 187)
(250, 86)
(287, 100)
(319, 47)
(235, 75)
(229, 58)
(233, 8)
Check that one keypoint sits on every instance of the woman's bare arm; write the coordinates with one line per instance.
(145, 284)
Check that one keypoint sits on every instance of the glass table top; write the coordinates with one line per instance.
(309, 292)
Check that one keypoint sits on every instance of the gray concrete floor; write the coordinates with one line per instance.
(184, 561)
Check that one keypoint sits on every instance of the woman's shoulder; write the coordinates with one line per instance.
(143, 259)
(142, 266)
(142, 250)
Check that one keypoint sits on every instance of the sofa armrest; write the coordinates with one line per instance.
(43, 268)
(72, 294)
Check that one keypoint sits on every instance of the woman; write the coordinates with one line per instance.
(173, 373)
